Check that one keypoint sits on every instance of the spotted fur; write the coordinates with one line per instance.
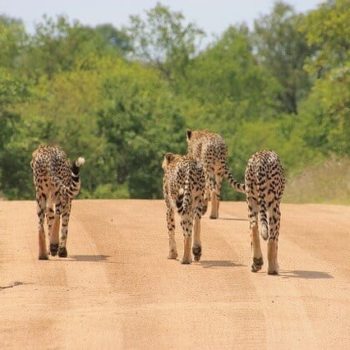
(264, 186)
(183, 188)
(210, 149)
(56, 183)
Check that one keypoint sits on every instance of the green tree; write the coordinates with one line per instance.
(62, 110)
(12, 91)
(327, 28)
(164, 40)
(325, 116)
(227, 82)
(13, 38)
(140, 123)
(111, 37)
(122, 98)
(59, 46)
(283, 50)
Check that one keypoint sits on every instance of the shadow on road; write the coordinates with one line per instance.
(92, 258)
(218, 263)
(14, 284)
(230, 218)
(305, 274)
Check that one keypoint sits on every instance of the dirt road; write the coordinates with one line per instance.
(117, 290)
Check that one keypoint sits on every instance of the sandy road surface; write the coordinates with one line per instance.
(117, 290)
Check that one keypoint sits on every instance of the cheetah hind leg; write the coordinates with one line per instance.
(272, 247)
(171, 233)
(257, 255)
(53, 223)
(62, 252)
(186, 225)
(197, 246)
(187, 250)
(54, 236)
(205, 202)
(257, 264)
(214, 206)
(41, 204)
(215, 195)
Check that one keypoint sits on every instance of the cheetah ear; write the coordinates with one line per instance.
(189, 134)
(169, 157)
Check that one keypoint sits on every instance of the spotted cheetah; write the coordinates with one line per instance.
(264, 185)
(56, 182)
(210, 149)
(183, 188)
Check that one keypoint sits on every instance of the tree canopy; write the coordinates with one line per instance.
(122, 97)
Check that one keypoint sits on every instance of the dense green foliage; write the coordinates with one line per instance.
(124, 97)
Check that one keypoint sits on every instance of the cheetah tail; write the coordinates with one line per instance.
(263, 223)
(73, 189)
(233, 183)
(264, 230)
(77, 165)
(184, 198)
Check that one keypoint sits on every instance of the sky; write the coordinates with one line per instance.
(213, 16)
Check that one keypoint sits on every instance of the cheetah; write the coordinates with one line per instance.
(210, 149)
(56, 183)
(264, 186)
(183, 189)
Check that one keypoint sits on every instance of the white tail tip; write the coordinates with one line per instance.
(80, 161)
(264, 232)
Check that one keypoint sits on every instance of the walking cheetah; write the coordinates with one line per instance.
(210, 149)
(183, 188)
(264, 185)
(56, 182)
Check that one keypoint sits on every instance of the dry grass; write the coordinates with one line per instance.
(328, 182)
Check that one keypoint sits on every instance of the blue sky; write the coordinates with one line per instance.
(214, 16)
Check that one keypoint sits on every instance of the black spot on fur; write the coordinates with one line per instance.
(179, 201)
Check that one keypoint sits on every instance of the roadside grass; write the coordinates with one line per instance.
(328, 182)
